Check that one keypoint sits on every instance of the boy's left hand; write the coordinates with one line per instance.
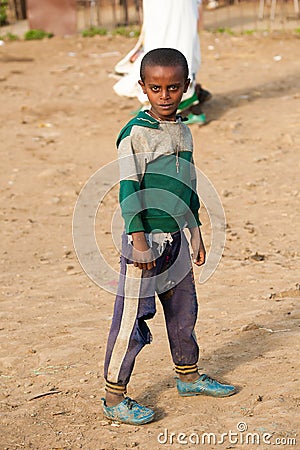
(199, 253)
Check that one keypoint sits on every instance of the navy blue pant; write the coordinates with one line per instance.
(135, 304)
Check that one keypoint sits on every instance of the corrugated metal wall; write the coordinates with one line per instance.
(235, 15)
(242, 16)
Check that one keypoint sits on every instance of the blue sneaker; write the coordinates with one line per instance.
(128, 411)
(204, 386)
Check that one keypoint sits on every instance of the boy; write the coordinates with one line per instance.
(158, 199)
(183, 34)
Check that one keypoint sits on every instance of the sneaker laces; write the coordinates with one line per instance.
(130, 403)
(205, 377)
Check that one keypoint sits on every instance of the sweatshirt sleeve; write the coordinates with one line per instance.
(194, 200)
(130, 194)
(195, 204)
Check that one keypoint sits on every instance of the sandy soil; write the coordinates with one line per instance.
(59, 121)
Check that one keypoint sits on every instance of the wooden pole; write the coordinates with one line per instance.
(20, 9)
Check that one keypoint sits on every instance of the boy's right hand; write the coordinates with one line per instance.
(142, 254)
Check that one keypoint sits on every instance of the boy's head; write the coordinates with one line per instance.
(164, 79)
(164, 57)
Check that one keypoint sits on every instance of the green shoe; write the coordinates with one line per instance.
(204, 386)
(186, 104)
(193, 118)
(128, 411)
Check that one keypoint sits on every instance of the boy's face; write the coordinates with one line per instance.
(164, 87)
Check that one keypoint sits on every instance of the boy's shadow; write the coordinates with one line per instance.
(245, 346)
(220, 103)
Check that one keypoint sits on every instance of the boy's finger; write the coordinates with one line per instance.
(151, 264)
(200, 260)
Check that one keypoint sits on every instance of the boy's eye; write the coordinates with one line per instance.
(172, 87)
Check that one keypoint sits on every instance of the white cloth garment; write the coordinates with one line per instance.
(166, 23)
(160, 239)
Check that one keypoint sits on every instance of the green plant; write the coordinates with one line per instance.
(225, 30)
(10, 37)
(126, 31)
(36, 34)
(249, 32)
(3, 12)
(297, 30)
(94, 31)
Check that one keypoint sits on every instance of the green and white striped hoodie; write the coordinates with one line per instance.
(157, 176)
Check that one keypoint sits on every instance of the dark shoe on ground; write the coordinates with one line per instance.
(128, 411)
(202, 94)
(204, 386)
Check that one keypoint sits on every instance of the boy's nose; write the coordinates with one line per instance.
(165, 94)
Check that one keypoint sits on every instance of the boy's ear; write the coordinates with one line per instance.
(186, 86)
(141, 83)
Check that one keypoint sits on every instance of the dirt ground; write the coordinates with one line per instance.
(59, 121)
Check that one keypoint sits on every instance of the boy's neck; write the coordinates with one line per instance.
(152, 114)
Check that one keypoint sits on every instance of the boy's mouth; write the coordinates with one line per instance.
(168, 106)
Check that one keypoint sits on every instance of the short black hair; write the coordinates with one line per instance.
(164, 57)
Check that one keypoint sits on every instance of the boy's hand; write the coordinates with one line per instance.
(199, 253)
(142, 253)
